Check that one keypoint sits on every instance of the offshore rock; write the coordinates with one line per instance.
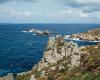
(40, 32)
(91, 35)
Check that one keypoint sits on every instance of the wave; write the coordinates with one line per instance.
(29, 44)
(4, 71)
(25, 31)
(34, 34)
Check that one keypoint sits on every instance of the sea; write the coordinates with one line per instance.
(21, 50)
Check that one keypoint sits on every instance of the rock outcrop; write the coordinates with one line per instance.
(57, 49)
(8, 77)
(36, 31)
(63, 60)
(91, 35)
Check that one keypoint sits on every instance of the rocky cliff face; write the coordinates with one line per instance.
(64, 60)
(57, 49)
(57, 54)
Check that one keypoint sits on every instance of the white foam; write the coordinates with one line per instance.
(29, 44)
(94, 41)
(34, 34)
(25, 31)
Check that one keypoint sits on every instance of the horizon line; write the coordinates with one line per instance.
(49, 23)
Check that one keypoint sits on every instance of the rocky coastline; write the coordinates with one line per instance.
(57, 49)
(65, 60)
(91, 35)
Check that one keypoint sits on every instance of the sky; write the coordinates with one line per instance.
(49, 11)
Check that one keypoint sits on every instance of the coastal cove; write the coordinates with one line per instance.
(20, 51)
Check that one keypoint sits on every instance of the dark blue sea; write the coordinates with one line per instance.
(20, 51)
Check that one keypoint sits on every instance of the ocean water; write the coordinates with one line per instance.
(20, 51)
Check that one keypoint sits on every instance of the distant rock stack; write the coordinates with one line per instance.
(40, 32)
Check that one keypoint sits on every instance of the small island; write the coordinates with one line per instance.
(40, 32)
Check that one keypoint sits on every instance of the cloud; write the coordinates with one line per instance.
(74, 13)
(85, 5)
(80, 3)
(6, 11)
(50, 11)
(89, 9)
(4, 1)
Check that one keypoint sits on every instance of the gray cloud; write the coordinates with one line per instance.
(71, 3)
(3, 1)
(90, 9)
(85, 5)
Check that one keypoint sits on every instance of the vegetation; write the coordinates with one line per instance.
(89, 68)
(23, 77)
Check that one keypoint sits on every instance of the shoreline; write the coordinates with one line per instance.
(51, 61)
(41, 63)
(77, 39)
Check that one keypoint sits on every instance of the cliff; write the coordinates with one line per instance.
(57, 50)
(64, 60)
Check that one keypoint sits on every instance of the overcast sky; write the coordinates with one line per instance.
(49, 11)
